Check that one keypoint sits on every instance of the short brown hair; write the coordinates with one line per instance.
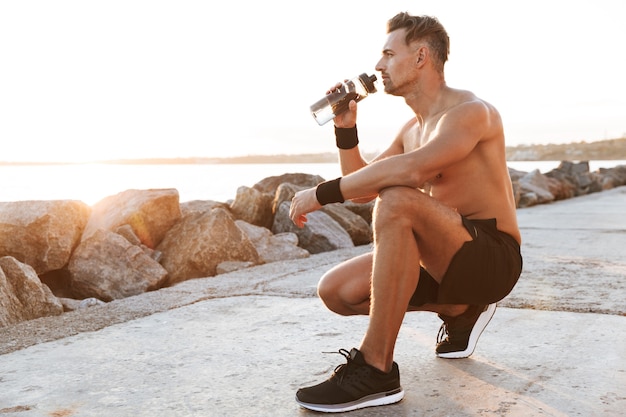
(423, 27)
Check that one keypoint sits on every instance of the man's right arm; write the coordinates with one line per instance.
(350, 158)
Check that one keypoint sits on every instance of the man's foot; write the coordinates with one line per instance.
(353, 385)
(458, 336)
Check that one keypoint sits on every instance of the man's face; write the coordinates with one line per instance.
(396, 66)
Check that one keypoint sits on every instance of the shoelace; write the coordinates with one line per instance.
(339, 369)
(443, 332)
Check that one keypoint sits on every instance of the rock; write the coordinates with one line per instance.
(90, 302)
(108, 267)
(22, 296)
(127, 232)
(231, 266)
(613, 177)
(561, 190)
(270, 184)
(201, 206)
(577, 174)
(574, 168)
(528, 199)
(253, 206)
(42, 234)
(516, 174)
(284, 193)
(566, 181)
(150, 213)
(199, 242)
(536, 186)
(355, 218)
(364, 210)
(359, 230)
(69, 304)
(320, 234)
(271, 247)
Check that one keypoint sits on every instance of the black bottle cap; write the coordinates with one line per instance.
(368, 81)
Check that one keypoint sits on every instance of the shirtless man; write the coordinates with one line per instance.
(446, 238)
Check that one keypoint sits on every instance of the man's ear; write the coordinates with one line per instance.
(421, 55)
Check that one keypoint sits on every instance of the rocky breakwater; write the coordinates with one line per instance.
(568, 180)
(58, 256)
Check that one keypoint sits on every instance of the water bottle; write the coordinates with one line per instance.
(335, 103)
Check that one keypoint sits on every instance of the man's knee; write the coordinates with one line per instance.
(325, 287)
(395, 204)
(329, 290)
(336, 293)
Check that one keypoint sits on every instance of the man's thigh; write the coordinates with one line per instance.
(437, 229)
(350, 279)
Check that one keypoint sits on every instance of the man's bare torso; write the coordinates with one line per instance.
(479, 185)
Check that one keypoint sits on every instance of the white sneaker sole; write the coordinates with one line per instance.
(477, 330)
(369, 401)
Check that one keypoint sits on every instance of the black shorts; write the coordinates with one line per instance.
(483, 271)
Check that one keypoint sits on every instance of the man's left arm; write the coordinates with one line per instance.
(457, 133)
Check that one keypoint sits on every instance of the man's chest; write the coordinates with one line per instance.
(419, 135)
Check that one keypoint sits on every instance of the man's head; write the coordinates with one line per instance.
(423, 28)
(414, 53)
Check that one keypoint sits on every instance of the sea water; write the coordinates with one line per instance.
(92, 182)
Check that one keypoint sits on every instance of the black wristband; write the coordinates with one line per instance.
(346, 137)
(329, 192)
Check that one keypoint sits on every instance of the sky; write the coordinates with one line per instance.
(84, 81)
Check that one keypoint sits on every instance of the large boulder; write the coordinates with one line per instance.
(42, 234)
(108, 267)
(284, 193)
(199, 242)
(359, 230)
(22, 295)
(320, 234)
(577, 173)
(561, 190)
(613, 177)
(365, 210)
(516, 174)
(270, 184)
(201, 206)
(273, 247)
(535, 189)
(150, 213)
(253, 206)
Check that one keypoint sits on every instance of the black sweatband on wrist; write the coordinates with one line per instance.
(346, 137)
(329, 192)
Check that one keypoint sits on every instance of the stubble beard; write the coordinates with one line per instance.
(391, 89)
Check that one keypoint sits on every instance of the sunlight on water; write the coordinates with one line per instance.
(92, 182)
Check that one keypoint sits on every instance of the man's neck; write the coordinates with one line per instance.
(428, 99)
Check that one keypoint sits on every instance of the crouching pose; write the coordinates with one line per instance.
(446, 238)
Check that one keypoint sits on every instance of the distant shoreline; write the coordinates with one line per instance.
(604, 150)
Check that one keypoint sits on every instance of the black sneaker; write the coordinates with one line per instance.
(458, 336)
(353, 385)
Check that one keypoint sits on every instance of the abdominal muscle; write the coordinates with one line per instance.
(476, 200)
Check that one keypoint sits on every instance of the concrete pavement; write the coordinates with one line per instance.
(241, 344)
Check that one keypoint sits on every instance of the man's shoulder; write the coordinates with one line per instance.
(469, 112)
(468, 104)
(409, 126)
(467, 99)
